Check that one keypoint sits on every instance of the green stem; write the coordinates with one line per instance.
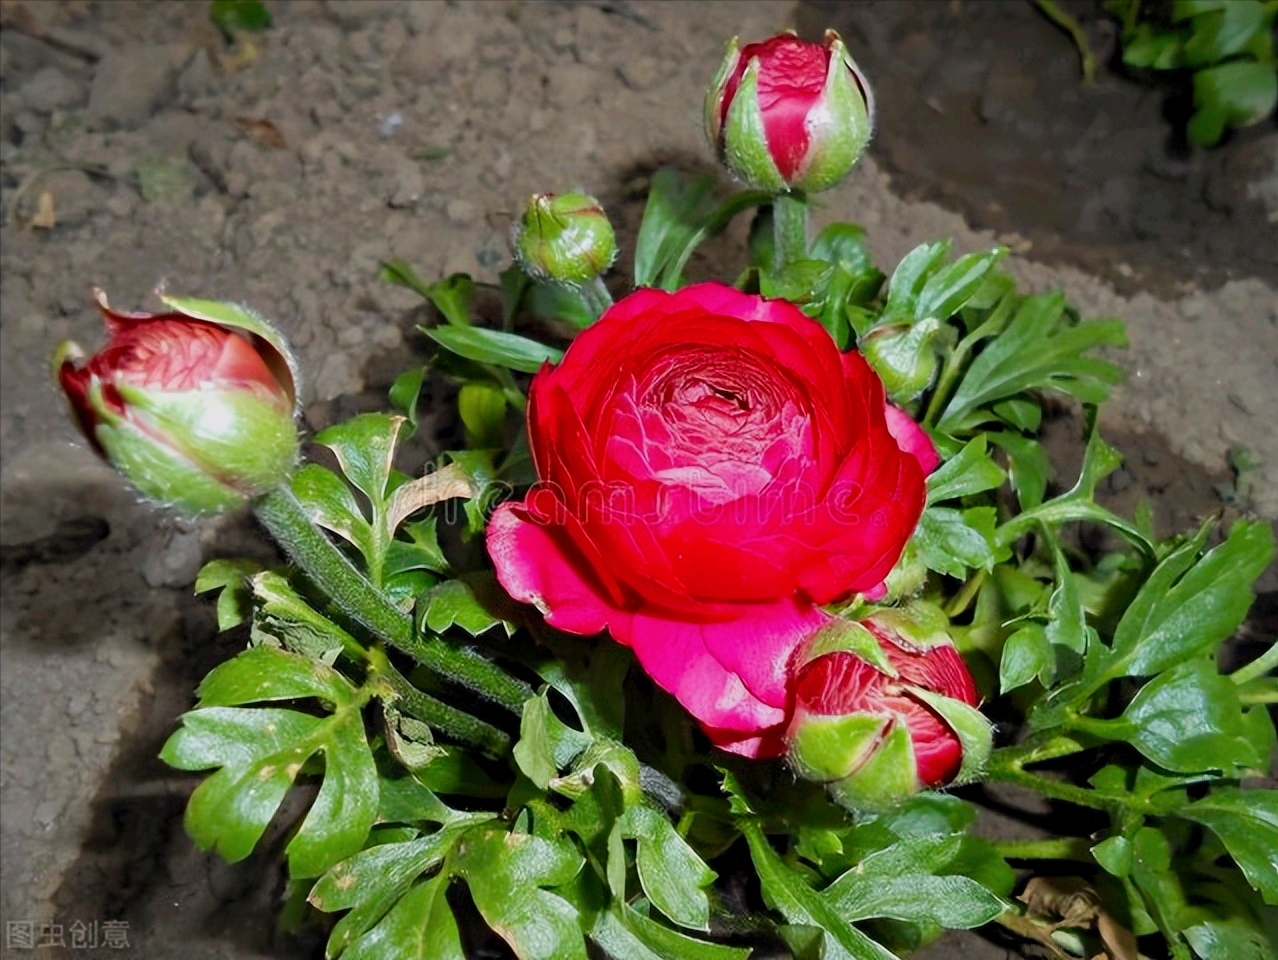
(1057, 790)
(790, 229)
(450, 721)
(1261, 665)
(596, 295)
(350, 591)
(1055, 848)
(1037, 750)
(1066, 22)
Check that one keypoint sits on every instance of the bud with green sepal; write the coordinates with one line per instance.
(786, 114)
(564, 238)
(904, 356)
(885, 708)
(195, 407)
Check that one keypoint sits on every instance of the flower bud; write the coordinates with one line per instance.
(903, 356)
(885, 708)
(564, 238)
(194, 407)
(786, 114)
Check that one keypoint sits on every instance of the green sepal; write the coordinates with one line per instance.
(887, 777)
(848, 636)
(830, 748)
(745, 142)
(838, 141)
(975, 733)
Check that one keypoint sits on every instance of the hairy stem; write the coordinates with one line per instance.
(596, 295)
(350, 591)
(790, 228)
(1054, 848)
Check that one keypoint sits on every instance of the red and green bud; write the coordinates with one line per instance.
(885, 708)
(195, 407)
(564, 238)
(786, 114)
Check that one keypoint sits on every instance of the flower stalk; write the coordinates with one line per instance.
(790, 228)
(282, 515)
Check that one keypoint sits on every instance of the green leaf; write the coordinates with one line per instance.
(505, 872)
(1038, 350)
(373, 881)
(1231, 95)
(546, 743)
(401, 274)
(591, 679)
(787, 892)
(494, 346)
(1184, 611)
(558, 302)
(260, 752)
(909, 279)
(474, 602)
(673, 877)
(233, 577)
(1115, 855)
(843, 244)
(235, 16)
(952, 541)
(1029, 467)
(421, 926)
(329, 502)
(673, 212)
(1224, 32)
(1188, 720)
(1027, 654)
(626, 934)
(283, 618)
(1230, 938)
(971, 471)
(405, 392)
(950, 287)
(1247, 824)
(365, 449)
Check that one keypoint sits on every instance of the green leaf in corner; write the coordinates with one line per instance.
(626, 934)
(1188, 720)
(1186, 608)
(494, 346)
(260, 752)
(1247, 823)
(787, 892)
(374, 885)
(673, 877)
(506, 872)
(971, 471)
(234, 579)
(475, 603)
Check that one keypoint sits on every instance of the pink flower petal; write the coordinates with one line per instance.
(911, 438)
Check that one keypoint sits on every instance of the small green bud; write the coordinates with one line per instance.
(564, 238)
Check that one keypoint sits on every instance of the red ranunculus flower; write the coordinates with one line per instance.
(711, 469)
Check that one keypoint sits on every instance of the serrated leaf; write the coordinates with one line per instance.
(971, 471)
(373, 881)
(264, 674)
(591, 679)
(1185, 610)
(474, 603)
(365, 448)
(421, 926)
(329, 502)
(869, 891)
(232, 577)
(282, 617)
(673, 877)
(506, 872)
(260, 752)
(786, 891)
(495, 346)
(950, 287)
(546, 743)
(1038, 350)
(1247, 824)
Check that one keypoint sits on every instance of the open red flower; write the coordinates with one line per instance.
(711, 470)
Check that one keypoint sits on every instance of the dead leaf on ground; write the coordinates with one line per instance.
(264, 132)
(44, 217)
